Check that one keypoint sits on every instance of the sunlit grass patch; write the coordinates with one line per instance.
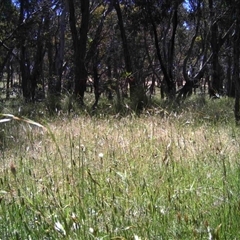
(135, 177)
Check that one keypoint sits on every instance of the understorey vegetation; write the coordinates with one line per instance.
(118, 49)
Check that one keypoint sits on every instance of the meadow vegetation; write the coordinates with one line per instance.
(170, 172)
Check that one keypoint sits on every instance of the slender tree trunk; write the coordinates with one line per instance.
(230, 83)
(4, 62)
(236, 79)
(25, 74)
(93, 54)
(97, 38)
(185, 62)
(127, 57)
(60, 53)
(171, 47)
(216, 79)
(38, 61)
(8, 80)
(186, 90)
(55, 54)
(24, 67)
(169, 81)
(80, 46)
(50, 50)
(80, 85)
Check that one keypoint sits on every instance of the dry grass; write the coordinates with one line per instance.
(110, 177)
(133, 136)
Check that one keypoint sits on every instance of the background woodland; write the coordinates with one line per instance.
(119, 49)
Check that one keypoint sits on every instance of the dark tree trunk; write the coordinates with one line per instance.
(93, 54)
(31, 63)
(171, 47)
(60, 52)
(55, 54)
(230, 83)
(50, 50)
(80, 46)
(165, 66)
(80, 85)
(236, 55)
(127, 57)
(137, 94)
(217, 42)
(110, 81)
(186, 90)
(24, 67)
(25, 75)
(51, 89)
(9, 72)
(38, 61)
(216, 80)
(4, 62)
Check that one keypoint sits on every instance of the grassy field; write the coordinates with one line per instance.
(169, 173)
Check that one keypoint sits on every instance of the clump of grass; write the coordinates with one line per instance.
(134, 177)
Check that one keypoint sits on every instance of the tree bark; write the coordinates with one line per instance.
(216, 43)
(137, 94)
(127, 57)
(60, 52)
(25, 73)
(236, 55)
(216, 84)
(80, 46)
(165, 66)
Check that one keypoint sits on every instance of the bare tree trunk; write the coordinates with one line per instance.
(4, 62)
(8, 80)
(80, 46)
(165, 66)
(127, 57)
(55, 50)
(230, 83)
(216, 83)
(24, 67)
(186, 90)
(171, 47)
(25, 74)
(217, 42)
(236, 55)
(60, 54)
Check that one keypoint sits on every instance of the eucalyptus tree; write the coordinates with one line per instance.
(87, 23)
(236, 55)
(79, 38)
(8, 57)
(33, 25)
(137, 94)
(195, 53)
(96, 54)
(212, 31)
(55, 20)
(221, 26)
(212, 28)
(197, 32)
(162, 20)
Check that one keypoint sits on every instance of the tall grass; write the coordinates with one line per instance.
(168, 174)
